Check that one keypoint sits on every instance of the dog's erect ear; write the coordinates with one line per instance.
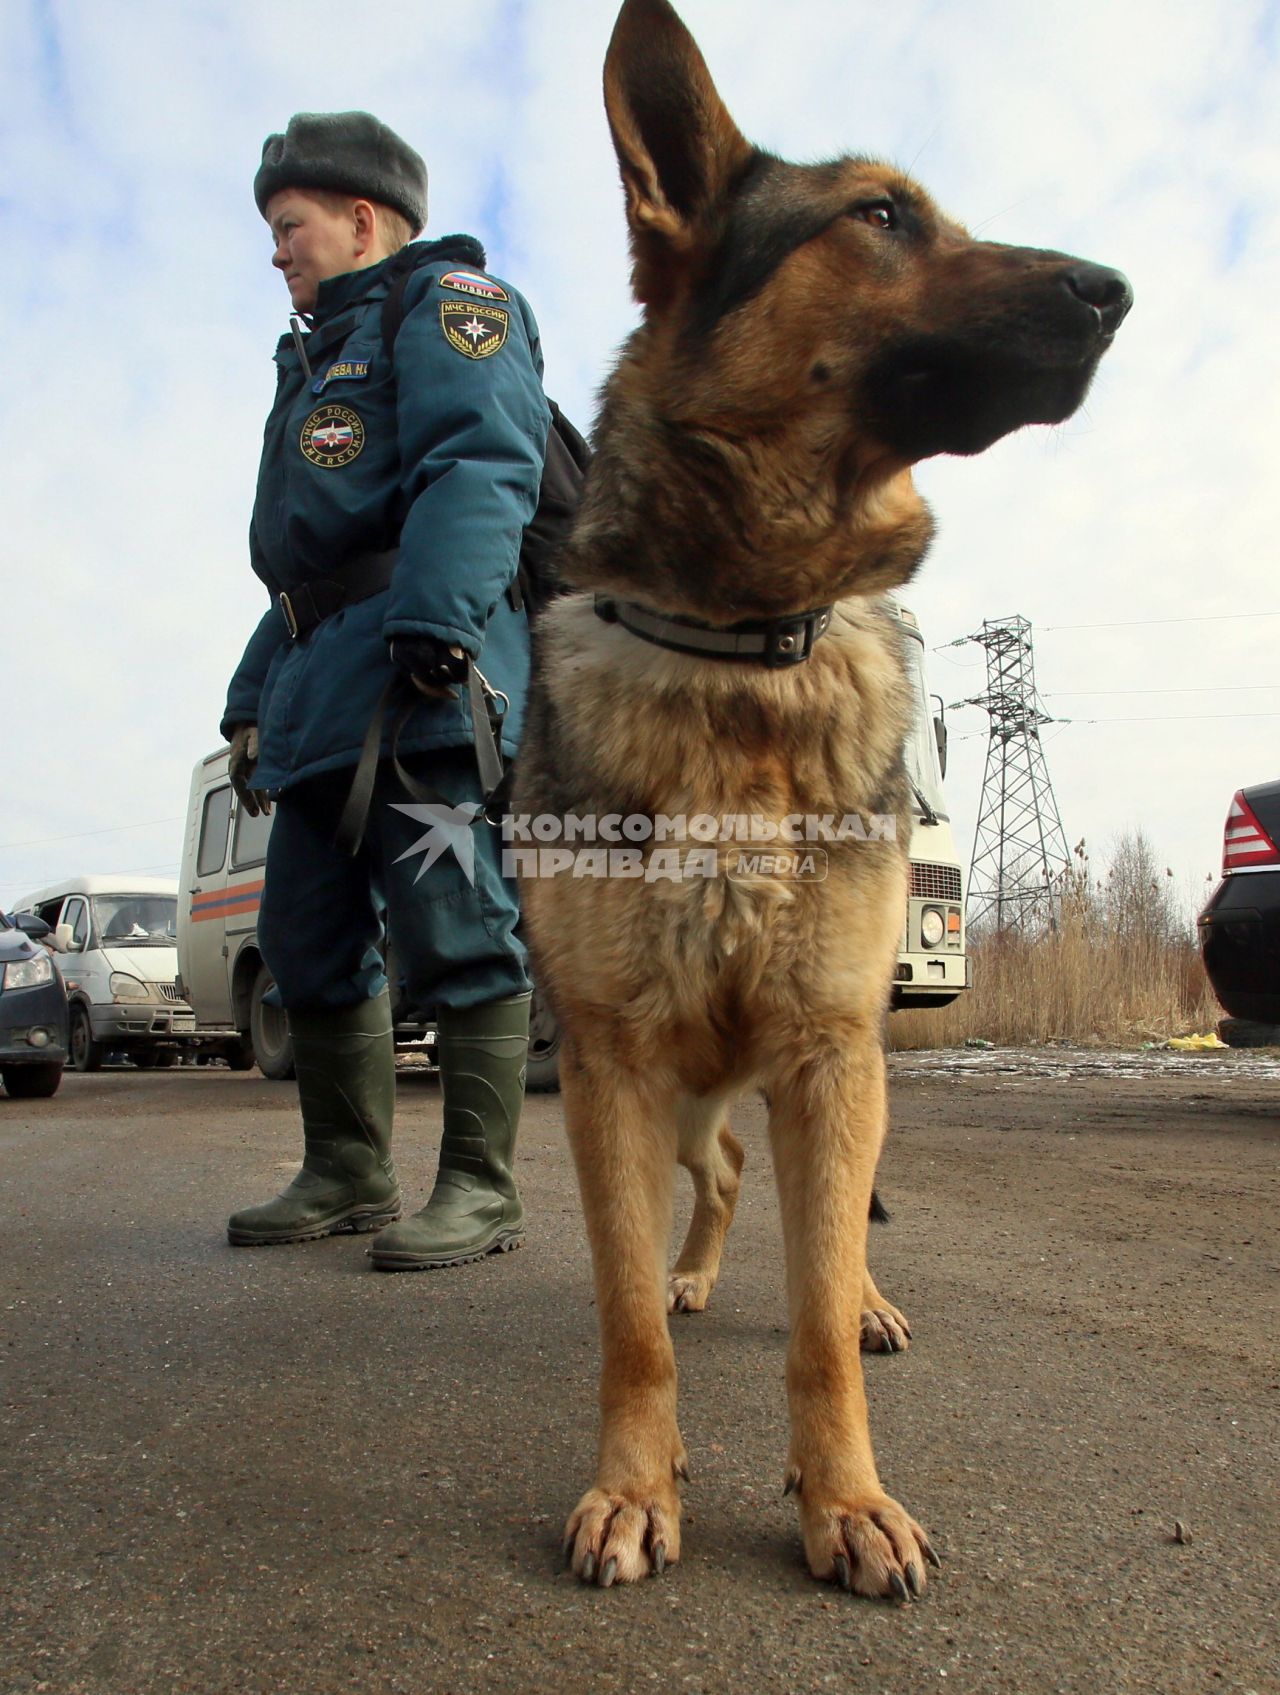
(678, 148)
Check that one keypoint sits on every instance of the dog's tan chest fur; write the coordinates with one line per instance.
(668, 733)
(715, 967)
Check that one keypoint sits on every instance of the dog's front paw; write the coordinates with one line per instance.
(620, 1536)
(884, 1330)
(689, 1291)
(869, 1547)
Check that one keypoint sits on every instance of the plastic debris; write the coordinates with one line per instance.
(1196, 1044)
(978, 1042)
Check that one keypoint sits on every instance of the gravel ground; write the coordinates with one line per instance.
(275, 1470)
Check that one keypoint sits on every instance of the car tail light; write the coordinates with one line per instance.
(1245, 844)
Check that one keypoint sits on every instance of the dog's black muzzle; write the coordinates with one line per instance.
(1107, 291)
(1018, 337)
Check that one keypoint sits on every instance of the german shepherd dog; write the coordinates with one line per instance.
(809, 332)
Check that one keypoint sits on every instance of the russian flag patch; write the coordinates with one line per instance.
(468, 282)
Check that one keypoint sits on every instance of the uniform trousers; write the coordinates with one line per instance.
(427, 880)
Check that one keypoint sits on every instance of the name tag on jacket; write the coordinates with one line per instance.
(343, 370)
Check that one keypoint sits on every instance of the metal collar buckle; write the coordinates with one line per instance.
(790, 641)
(291, 622)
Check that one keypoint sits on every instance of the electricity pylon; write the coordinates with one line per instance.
(1019, 849)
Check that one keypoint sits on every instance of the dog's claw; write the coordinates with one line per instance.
(792, 1485)
(681, 1469)
(914, 1583)
(931, 1556)
(608, 1574)
(589, 1569)
(844, 1574)
(659, 1559)
(898, 1587)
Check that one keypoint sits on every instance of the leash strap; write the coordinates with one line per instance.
(401, 696)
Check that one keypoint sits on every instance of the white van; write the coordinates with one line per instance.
(116, 942)
(221, 968)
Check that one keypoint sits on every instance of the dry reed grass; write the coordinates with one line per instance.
(1119, 968)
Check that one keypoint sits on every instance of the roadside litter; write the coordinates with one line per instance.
(1209, 1043)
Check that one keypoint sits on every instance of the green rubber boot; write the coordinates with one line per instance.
(474, 1208)
(346, 1066)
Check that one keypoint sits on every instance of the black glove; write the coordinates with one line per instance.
(432, 664)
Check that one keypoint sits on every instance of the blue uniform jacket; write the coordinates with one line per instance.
(442, 454)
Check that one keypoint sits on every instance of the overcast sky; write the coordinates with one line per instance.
(140, 312)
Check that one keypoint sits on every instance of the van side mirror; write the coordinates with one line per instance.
(63, 939)
(940, 736)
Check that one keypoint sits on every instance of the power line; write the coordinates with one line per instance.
(1128, 624)
(1133, 623)
(1214, 688)
(1171, 718)
(110, 830)
(1147, 718)
(132, 871)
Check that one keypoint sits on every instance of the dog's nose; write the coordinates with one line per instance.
(1107, 291)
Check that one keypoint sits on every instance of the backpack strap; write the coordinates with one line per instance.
(455, 249)
(393, 309)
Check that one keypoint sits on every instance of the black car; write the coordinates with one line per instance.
(1240, 927)
(33, 1010)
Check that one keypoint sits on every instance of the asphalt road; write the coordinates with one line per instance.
(277, 1470)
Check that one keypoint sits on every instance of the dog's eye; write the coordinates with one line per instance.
(880, 214)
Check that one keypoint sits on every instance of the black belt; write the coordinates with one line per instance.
(772, 642)
(310, 603)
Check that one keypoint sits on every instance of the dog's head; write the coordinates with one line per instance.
(837, 294)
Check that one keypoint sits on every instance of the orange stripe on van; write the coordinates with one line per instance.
(226, 903)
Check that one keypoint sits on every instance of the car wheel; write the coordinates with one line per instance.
(86, 1054)
(542, 1073)
(1248, 1033)
(31, 1082)
(269, 1031)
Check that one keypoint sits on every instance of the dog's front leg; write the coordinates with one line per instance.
(623, 1137)
(825, 1123)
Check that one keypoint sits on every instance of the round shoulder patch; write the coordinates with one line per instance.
(332, 436)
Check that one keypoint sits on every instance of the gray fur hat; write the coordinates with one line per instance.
(349, 153)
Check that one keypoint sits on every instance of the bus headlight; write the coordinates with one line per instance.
(932, 927)
(127, 988)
